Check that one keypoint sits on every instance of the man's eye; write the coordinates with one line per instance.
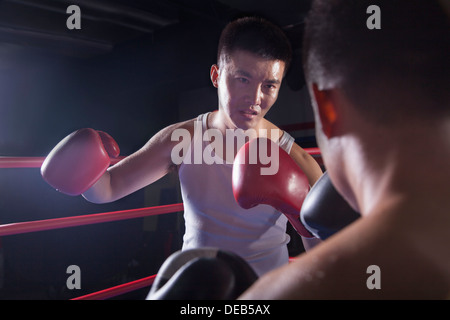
(242, 80)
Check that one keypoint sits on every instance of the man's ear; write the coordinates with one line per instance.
(214, 74)
(327, 110)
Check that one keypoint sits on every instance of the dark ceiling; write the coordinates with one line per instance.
(108, 23)
(130, 60)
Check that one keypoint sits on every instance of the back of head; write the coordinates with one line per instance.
(397, 71)
(255, 35)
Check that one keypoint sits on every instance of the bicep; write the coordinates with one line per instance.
(143, 167)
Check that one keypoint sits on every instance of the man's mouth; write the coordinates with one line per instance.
(250, 114)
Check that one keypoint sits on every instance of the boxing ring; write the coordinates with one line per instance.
(67, 222)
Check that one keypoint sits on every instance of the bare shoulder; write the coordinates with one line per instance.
(377, 257)
(159, 147)
(409, 257)
(273, 132)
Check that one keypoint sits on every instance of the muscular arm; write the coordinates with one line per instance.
(145, 166)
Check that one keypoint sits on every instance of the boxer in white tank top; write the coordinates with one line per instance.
(252, 63)
(214, 219)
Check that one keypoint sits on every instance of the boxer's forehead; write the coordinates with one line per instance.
(252, 66)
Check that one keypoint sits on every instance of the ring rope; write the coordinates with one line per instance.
(119, 290)
(32, 162)
(66, 222)
(36, 162)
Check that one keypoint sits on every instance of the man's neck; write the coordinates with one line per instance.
(406, 162)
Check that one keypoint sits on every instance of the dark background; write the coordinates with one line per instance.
(125, 72)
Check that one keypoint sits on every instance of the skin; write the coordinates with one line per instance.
(404, 207)
(248, 87)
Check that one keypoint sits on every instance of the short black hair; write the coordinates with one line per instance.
(256, 35)
(409, 55)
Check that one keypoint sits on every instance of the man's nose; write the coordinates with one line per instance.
(254, 95)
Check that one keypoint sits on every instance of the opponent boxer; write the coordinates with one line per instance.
(381, 102)
(253, 57)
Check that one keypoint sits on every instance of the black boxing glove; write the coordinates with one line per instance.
(324, 212)
(202, 274)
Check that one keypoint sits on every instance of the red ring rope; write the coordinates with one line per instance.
(49, 224)
(119, 290)
(36, 162)
(312, 151)
(31, 162)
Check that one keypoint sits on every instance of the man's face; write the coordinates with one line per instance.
(248, 86)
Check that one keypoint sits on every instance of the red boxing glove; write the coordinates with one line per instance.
(79, 160)
(284, 190)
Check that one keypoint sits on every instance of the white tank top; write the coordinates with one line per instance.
(214, 219)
